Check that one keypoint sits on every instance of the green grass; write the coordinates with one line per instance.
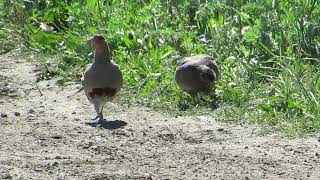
(268, 52)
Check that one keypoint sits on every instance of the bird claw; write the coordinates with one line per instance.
(99, 122)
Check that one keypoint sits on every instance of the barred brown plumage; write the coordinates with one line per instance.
(197, 74)
(103, 79)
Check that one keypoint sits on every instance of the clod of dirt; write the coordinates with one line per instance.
(220, 129)
(87, 145)
(16, 113)
(4, 115)
(4, 90)
(56, 137)
(31, 116)
(6, 176)
(55, 163)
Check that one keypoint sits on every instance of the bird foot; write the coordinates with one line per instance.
(99, 122)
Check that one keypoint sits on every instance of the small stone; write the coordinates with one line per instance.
(56, 137)
(31, 116)
(55, 163)
(317, 154)
(3, 115)
(246, 147)
(220, 129)
(31, 111)
(87, 145)
(74, 112)
(6, 176)
(16, 113)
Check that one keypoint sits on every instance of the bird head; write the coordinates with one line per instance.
(98, 42)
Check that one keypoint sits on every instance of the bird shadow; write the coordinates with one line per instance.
(116, 124)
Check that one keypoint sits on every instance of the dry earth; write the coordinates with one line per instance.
(49, 136)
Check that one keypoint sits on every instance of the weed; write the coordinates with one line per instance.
(268, 51)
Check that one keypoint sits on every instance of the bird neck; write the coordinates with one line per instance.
(102, 55)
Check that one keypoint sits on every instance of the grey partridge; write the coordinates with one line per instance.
(103, 79)
(197, 74)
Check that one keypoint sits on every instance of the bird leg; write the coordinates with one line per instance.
(100, 114)
(97, 109)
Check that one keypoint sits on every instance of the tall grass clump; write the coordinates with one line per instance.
(268, 51)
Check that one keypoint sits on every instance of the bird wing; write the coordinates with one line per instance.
(207, 74)
(102, 80)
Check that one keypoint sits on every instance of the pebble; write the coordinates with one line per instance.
(4, 115)
(31, 111)
(6, 176)
(12, 91)
(31, 116)
(55, 163)
(16, 113)
(56, 137)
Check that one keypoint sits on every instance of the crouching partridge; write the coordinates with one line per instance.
(197, 74)
(103, 79)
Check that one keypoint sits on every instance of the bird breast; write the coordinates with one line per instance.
(102, 78)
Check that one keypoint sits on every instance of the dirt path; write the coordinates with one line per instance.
(46, 137)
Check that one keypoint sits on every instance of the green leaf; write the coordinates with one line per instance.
(92, 30)
(91, 4)
(265, 107)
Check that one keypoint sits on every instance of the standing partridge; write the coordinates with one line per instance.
(197, 74)
(103, 79)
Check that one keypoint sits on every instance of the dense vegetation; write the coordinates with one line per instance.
(267, 50)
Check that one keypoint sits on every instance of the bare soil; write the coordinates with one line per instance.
(44, 134)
